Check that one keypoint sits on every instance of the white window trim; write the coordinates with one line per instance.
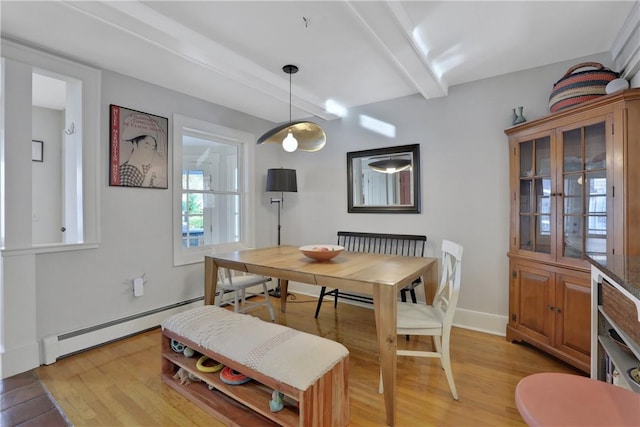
(182, 124)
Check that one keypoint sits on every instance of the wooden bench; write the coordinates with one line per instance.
(391, 244)
(310, 371)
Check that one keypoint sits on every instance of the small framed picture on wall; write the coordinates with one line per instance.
(37, 151)
(138, 146)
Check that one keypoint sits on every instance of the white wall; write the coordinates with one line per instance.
(49, 294)
(465, 182)
(86, 288)
(47, 180)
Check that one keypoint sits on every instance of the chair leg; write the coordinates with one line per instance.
(446, 364)
(243, 300)
(437, 343)
(268, 302)
(235, 300)
(320, 298)
(413, 296)
(335, 299)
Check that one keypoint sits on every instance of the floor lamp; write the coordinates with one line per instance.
(282, 180)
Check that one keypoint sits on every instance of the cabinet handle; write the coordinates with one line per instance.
(560, 194)
(550, 307)
(557, 310)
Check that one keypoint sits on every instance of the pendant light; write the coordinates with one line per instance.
(391, 165)
(301, 135)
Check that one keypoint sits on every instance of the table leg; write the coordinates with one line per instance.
(431, 282)
(284, 286)
(210, 281)
(385, 307)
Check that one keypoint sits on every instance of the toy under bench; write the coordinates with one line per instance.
(312, 372)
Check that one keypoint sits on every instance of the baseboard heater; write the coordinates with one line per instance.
(57, 346)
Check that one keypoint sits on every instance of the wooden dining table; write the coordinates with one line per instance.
(381, 276)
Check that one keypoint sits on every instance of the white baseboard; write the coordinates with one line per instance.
(18, 360)
(482, 322)
(468, 319)
(54, 347)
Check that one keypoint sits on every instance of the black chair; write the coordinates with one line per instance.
(390, 244)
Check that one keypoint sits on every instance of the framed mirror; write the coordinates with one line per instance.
(384, 180)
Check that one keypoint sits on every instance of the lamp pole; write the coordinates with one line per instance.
(279, 202)
(280, 180)
(276, 292)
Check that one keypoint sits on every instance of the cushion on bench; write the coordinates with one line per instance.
(293, 357)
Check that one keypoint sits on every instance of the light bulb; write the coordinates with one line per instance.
(290, 143)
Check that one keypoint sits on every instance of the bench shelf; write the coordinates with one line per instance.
(324, 403)
(231, 403)
(218, 404)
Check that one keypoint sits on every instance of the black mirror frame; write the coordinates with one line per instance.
(414, 149)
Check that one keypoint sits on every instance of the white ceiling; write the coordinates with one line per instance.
(352, 52)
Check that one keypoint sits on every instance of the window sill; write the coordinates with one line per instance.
(48, 248)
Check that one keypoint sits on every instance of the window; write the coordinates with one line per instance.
(210, 195)
(545, 208)
(211, 188)
(192, 208)
(597, 208)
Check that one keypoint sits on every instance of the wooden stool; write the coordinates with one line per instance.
(551, 399)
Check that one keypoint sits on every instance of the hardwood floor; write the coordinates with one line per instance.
(119, 384)
(26, 403)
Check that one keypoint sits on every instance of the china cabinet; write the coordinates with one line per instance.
(574, 191)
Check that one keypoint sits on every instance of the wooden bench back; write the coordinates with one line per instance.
(390, 244)
(380, 243)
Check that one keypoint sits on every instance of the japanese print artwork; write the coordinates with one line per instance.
(138, 149)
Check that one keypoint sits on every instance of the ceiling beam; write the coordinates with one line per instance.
(144, 23)
(413, 63)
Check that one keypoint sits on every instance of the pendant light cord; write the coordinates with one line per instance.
(289, 97)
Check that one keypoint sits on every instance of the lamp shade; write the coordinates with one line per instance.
(283, 180)
(390, 165)
(309, 135)
(302, 135)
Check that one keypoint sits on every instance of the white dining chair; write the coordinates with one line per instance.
(238, 284)
(435, 320)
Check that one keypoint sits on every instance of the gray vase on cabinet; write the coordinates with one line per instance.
(517, 116)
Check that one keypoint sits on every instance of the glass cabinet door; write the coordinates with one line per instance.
(584, 187)
(535, 195)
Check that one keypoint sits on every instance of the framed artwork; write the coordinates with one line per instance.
(37, 151)
(138, 147)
